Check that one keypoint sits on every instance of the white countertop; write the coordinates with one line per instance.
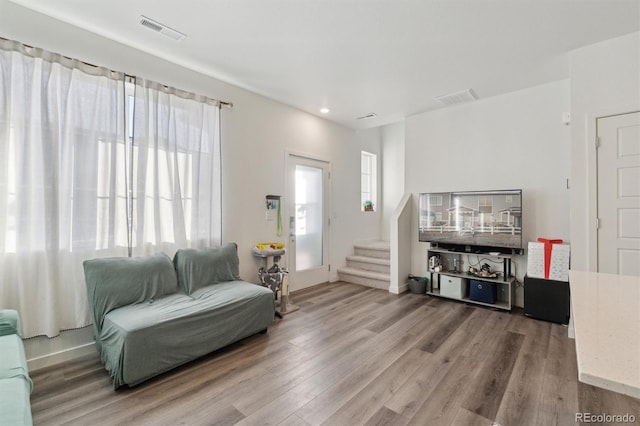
(606, 317)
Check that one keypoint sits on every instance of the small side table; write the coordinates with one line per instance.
(547, 300)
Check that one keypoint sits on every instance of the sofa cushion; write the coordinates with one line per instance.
(13, 363)
(9, 322)
(141, 341)
(15, 405)
(120, 281)
(197, 268)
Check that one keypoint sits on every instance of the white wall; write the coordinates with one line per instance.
(605, 79)
(401, 243)
(392, 137)
(256, 134)
(513, 141)
(347, 203)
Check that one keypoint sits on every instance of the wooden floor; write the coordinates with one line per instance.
(352, 355)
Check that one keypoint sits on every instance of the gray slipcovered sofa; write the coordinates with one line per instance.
(15, 383)
(151, 314)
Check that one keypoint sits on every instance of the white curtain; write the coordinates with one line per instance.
(61, 183)
(93, 166)
(176, 170)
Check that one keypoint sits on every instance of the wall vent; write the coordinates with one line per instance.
(370, 115)
(162, 29)
(457, 97)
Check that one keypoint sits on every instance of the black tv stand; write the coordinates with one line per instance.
(451, 275)
(460, 248)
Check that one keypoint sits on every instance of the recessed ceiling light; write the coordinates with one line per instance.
(324, 110)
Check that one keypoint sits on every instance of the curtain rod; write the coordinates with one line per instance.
(225, 104)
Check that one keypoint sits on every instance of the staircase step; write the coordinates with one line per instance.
(377, 249)
(367, 278)
(374, 264)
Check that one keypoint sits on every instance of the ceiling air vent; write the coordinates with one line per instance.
(370, 115)
(458, 97)
(162, 29)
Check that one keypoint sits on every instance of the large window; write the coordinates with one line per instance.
(368, 181)
(176, 169)
(94, 163)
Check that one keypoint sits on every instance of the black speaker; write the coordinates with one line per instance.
(547, 300)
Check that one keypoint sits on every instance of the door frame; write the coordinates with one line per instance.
(313, 157)
(592, 178)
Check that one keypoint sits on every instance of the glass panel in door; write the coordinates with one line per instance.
(309, 217)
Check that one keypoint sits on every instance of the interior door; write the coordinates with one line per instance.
(618, 174)
(308, 211)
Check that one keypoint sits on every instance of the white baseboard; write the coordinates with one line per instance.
(400, 289)
(571, 332)
(61, 356)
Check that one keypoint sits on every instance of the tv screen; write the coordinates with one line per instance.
(472, 220)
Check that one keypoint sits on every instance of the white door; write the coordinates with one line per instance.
(308, 210)
(618, 162)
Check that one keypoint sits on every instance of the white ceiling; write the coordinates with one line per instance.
(390, 57)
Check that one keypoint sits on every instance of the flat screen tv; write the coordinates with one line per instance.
(473, 221)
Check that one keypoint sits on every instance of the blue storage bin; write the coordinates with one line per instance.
(483, 291)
